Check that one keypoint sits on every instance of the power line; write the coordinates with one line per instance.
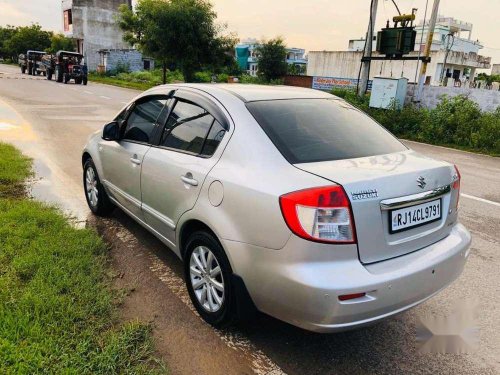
(396, 5)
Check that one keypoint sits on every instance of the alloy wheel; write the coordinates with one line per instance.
(206, 279)
(91, 187)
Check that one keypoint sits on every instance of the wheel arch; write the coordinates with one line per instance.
(188, 228)
(85, 156)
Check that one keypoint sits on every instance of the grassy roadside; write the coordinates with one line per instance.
(58, 313)
(114, 81)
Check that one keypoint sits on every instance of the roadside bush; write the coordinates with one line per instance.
(203, 77)
(456, 121)
(248, 79)
(222, 78)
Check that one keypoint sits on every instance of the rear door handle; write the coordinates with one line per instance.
(135, 160)
(188, 179)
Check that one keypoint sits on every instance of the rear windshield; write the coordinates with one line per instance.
(311, 130)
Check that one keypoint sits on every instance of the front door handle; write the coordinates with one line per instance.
(135, 160)
(188, 179)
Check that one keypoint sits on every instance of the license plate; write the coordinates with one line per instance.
(414, 216)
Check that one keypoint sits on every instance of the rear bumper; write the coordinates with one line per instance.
(301, 283)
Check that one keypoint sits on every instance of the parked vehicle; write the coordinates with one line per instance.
(287, 200)
(68, 66)
(29, 62)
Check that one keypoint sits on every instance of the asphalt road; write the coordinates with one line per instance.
(51, 123)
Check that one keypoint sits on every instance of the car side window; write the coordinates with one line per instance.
(213, 140)
(142, 120)
(187, 128)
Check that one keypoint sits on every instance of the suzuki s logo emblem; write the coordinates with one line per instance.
(421, 182)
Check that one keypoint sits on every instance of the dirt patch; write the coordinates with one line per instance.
(186, 343)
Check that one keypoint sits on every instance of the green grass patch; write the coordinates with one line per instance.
(14, 170)
(142, 80)
(58, 313)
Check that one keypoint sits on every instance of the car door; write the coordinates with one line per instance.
(122, 161)
(173, 171)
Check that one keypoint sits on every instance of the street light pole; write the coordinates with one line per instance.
(430, 37)
(365, 70)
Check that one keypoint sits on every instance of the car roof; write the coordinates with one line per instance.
(251, 93)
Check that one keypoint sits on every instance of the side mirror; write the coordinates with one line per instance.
(111, 132)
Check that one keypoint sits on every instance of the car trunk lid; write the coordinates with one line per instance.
(378, 184)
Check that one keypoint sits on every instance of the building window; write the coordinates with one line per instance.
(68, 20)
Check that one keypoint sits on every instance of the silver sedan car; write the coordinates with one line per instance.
(284, 200)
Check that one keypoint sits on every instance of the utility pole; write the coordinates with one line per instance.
(427, 52)
(365, 69)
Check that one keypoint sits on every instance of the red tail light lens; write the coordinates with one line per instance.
(456, 184)
(319, 214)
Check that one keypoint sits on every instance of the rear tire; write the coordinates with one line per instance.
(85, 81)
(59, 76)
(97, 198)
(211, 291)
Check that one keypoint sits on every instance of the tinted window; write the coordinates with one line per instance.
(141, 122)
(187, 127)
(213, 140)
(309, 130)
(123, 115)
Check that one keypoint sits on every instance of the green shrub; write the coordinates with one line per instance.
(203, 77)
(222, 78)
(455, 121)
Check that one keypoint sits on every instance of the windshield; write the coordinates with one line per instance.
(312, 130)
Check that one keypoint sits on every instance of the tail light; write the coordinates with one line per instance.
(320, 214)
(456, 184)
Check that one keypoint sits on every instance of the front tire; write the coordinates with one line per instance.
(97, 198)
(208, 278)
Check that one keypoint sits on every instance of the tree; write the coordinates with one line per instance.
(28, 38)
(59, 42)
(272, 59)
(6, 33)
(183, 33)
(296, 69)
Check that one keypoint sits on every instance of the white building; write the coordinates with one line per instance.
(452, 42)
(93, 24)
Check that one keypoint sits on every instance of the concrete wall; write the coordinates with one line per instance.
(94, 22)
(346, 64)
(488, 100)
(131, 58)
(496, 69)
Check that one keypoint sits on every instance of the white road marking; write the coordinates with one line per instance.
(105, 97)
(6, 126)
(480, 199)
(124, 102)
(89, 92)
